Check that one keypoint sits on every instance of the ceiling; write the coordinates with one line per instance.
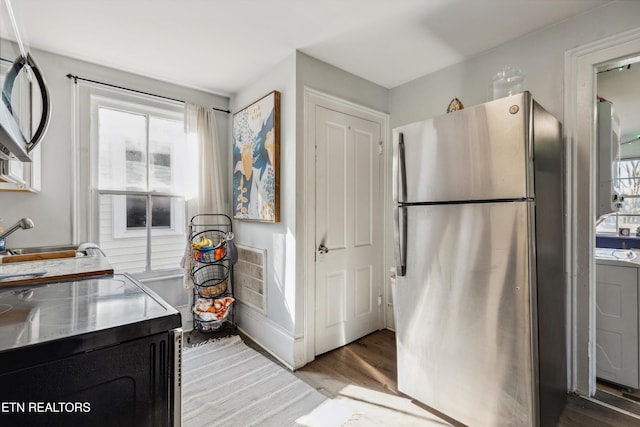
(221, 45)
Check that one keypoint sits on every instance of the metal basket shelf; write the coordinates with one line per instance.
(209, 254)
(213, 325)
(211, 280)
(212, 268)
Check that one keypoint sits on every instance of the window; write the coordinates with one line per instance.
(627, 183)
(137, 163)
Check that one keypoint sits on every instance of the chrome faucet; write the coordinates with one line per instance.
(24, 223)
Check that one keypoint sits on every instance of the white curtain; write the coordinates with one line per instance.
(202, 132)
(201, 129)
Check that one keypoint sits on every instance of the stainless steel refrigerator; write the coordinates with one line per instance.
(480, 289)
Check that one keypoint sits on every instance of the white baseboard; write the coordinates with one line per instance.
(268, 334)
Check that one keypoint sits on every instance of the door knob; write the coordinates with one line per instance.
(323, 249)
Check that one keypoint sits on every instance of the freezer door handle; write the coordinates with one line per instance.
(400, 234)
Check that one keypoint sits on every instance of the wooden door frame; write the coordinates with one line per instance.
(312, 99)
(581, 65)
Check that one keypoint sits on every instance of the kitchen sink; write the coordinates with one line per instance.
(40, 249)
(615, 254)
(39, 253)
(33, 253)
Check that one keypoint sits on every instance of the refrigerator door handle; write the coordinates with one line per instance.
(400, 212)
(402, 170)
(400, 234)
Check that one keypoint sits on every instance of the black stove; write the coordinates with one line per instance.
(107, 343)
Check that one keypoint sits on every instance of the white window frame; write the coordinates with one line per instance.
(87, 97)
(119, 205)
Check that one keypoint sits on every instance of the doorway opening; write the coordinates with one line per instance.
(581, 67)
(617, 245)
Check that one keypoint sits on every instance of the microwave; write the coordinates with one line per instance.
(13, 142)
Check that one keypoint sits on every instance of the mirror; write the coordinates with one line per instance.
(618, 236)
(618, 87)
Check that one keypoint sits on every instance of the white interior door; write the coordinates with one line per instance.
(349, 228)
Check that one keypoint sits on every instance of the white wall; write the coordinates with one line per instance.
(326, 78)
(540, 56)
(282, 330)
(276, 330)
(320, 76)
(51, 208)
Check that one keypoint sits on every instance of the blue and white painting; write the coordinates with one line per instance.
(255, 157)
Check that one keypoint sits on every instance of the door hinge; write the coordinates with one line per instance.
(379, 300)
(380, 148)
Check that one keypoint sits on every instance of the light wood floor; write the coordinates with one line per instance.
(371, 363)
(365, 372)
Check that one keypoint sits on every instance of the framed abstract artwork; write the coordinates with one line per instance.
(256, 160)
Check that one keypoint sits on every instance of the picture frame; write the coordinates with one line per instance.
(256, 160)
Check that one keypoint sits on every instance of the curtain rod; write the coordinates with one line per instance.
(76, 78)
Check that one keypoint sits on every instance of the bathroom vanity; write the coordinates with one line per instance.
(617, 321)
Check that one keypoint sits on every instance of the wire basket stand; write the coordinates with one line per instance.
(212, 253)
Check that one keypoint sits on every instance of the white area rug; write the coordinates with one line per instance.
(226, 383)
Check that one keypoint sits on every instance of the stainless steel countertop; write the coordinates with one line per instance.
(86, 314)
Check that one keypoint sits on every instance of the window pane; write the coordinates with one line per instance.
(167, 150)
(631, 205)
(122, 150)
(608, 226)
(627, 182)
(161, 212)
(628, 177)
(632, 222)
(169, 236)
(125, 248)
(136, 172)
(628, 169)
(125, 244)
(136, 212)
(629, 186)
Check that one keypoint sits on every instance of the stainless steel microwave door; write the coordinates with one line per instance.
(479, 153)
(463, 312)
